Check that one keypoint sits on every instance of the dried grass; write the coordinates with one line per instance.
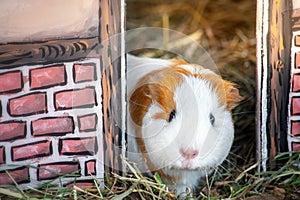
(226, 29)
(227, 182)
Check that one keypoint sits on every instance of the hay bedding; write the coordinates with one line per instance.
(227, 32)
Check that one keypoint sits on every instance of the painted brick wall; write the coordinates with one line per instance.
(50, 118)
(294, 105)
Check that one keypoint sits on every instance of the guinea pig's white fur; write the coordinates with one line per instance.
(179, 119)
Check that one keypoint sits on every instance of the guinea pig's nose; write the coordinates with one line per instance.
(189, 153)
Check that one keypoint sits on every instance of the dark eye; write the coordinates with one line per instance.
(212, 119)
(172, 115)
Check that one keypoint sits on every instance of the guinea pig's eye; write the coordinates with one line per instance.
(212, 119)
(172, 115)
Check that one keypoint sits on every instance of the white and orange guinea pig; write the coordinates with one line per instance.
(179, 121)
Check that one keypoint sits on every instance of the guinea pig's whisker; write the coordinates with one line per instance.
(236, 156)
(246, 100)
(230, 163)
(242, 113)
(217, 174)
(223, 168)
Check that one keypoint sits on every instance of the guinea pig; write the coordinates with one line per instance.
(179, 118)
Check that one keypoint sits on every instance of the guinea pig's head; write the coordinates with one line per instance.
(183, 117)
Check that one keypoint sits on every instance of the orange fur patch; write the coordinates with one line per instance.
(227, 94)
(157, 86)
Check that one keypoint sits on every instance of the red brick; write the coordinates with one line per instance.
(295, 19)
(81, 184)
(297, 40)
(296, 13)
(296, 82)
(297, 60)
(2, 155)
(78, 146)
(52, 126)
(90, 167)
(79, 98)
(19, 175)
(295, 128)
(31, 150)
(30, 104)
(84, 72)
(295, 146)
(47, 77)
(54, 170)
(87, 122)
(12, 130)
(295, 105)
(11, 82)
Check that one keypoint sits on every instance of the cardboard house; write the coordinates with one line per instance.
(278, 63)
(57, 90)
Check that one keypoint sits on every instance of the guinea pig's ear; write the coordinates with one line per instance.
(232, 95)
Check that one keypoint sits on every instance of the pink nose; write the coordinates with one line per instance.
(189, 153)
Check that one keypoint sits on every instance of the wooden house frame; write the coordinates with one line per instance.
(277, 79)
